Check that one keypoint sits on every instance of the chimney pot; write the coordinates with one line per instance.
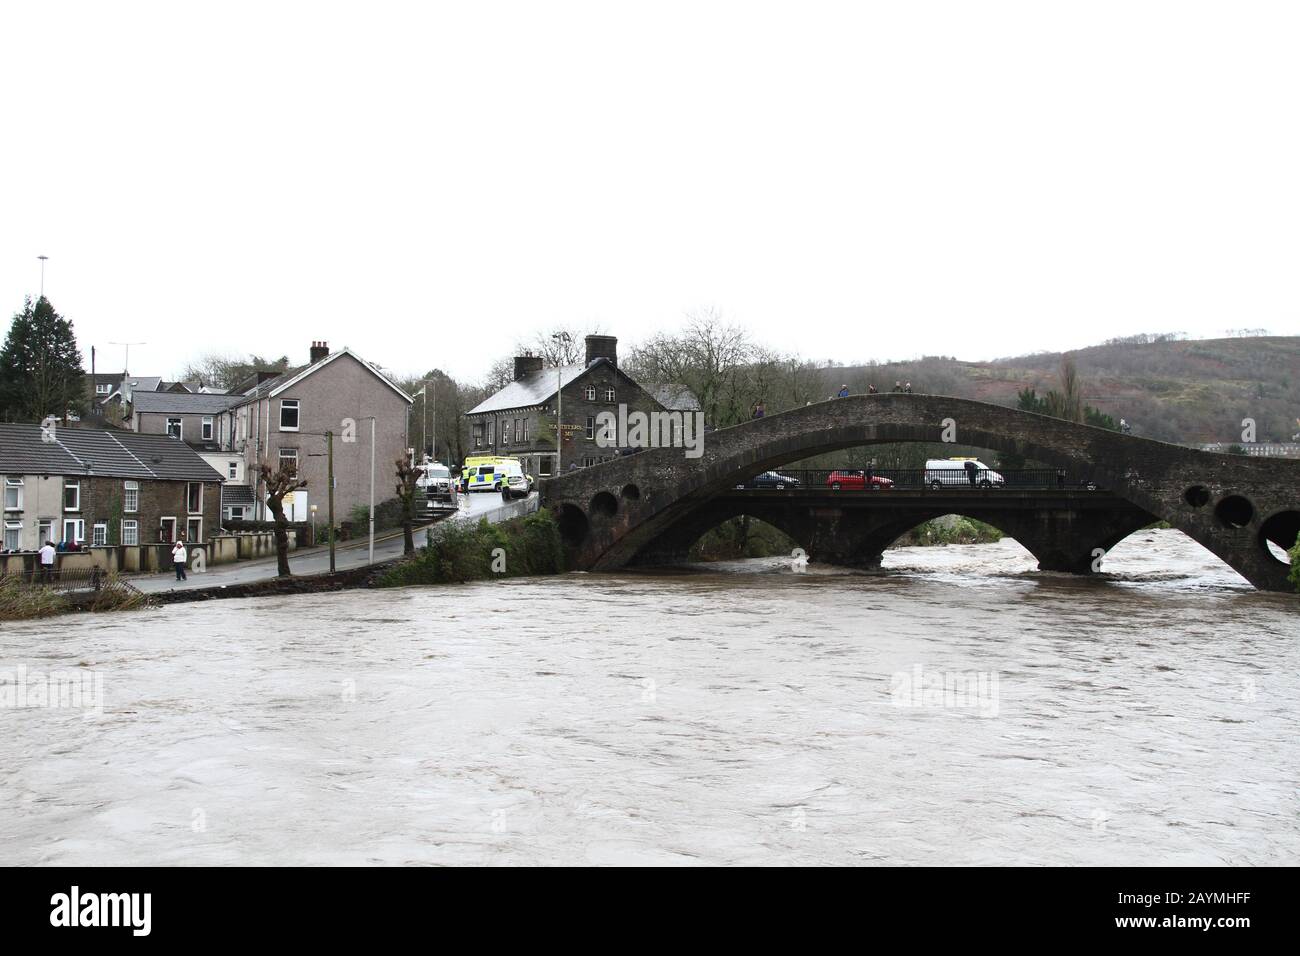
(602, 346)
(527, 364)
(319, 350)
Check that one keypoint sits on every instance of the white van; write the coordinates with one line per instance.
(940, 472)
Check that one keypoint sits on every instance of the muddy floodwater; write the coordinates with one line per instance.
(958, 707)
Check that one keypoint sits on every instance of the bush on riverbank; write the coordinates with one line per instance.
(469, 552)
(1294, 576)
(951, 529)
(20, 602)
(742, 537)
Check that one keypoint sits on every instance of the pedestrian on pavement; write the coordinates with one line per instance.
(178, 558)
(908, 388)
(47, 562)
(844, 392)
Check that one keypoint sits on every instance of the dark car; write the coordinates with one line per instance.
(771, 479)
(856, 480)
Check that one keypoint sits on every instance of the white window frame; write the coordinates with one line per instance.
(16, 527)
(285, 454)
(44, 531)
(236, 517)
(68, 485)
(297, 414)
(130, 497)
(99, 534)
(103, 389)
(232, 469)
(162, 522)
(188, 509)
(610, 394)
(197, 538)
(133, 526)
(79, 529)
(591, 427)
(589, 393)
(180, 428)
(16, 483)
(207, 430)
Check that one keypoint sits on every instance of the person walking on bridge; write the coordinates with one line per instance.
(970, 471)
(843, 392)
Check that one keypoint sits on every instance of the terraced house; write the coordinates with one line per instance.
(103, 487)
(519, 421)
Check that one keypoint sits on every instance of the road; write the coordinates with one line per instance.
(354, 554)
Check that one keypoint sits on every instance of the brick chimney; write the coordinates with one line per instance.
(319, 350)
(602, 346)
(527, 364)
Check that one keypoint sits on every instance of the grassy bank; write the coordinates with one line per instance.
(958, 531)
(474, 552)
(21, 602)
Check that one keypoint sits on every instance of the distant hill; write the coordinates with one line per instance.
(1186, 391)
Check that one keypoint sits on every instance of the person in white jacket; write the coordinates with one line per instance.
(178, 558)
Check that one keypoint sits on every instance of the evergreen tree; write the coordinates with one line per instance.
(40, 366)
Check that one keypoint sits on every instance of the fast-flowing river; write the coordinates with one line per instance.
(958, 707)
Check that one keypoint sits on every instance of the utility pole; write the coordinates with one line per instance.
(562, 339)
(42, 258)
(371, 559)
(329, 440)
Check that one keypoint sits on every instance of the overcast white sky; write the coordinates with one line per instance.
(429, 182)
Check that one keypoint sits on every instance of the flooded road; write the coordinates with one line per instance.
(958, 707)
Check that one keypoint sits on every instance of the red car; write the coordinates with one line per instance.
(856, 481)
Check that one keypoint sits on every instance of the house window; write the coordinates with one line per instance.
(591, 426)
(521, 430)
(74, 529)
(44, 531)
(588, 462)
(207, 428)
(102, 389)
(589, 393)
(236, 512)
(609, 394)
(194, 497)
(174, 427)
(289, 459)
(13, 494)
(131, 497)
(489, 434)
(289, 415)
(99, 534)
(232, 469)
(194, 530)
(130, 531)
(71, 495)
(14, 535)
(167, 529)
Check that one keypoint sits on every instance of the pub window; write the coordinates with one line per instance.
(609, 395)
(591, 426)
(589, 393)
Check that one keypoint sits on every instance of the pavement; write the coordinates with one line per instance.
(353, 554)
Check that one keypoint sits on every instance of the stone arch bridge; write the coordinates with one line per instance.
(651, 506)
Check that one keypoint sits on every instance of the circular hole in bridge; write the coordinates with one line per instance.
(631, 492)
(1277, 535)
(573, 524)
(1234, 511)
(1198, 496)
(605, 504)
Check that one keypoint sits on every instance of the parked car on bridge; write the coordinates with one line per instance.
(856, 480)
(771, 479)
(971, 472)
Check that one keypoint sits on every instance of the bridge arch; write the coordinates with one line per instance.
(1155, 477)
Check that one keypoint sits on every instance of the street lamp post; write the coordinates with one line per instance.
(562, 339)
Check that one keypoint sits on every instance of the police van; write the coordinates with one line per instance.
(493, 473)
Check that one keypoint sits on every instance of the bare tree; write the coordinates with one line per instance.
(278, 484)
(407, 476)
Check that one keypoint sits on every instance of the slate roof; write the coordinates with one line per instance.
(81, 451)
(236, 495)
(183, 403)
(675, 398)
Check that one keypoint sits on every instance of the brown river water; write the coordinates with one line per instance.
(956, 708)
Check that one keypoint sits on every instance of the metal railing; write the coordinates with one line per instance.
(920, 479)
(61, 579)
